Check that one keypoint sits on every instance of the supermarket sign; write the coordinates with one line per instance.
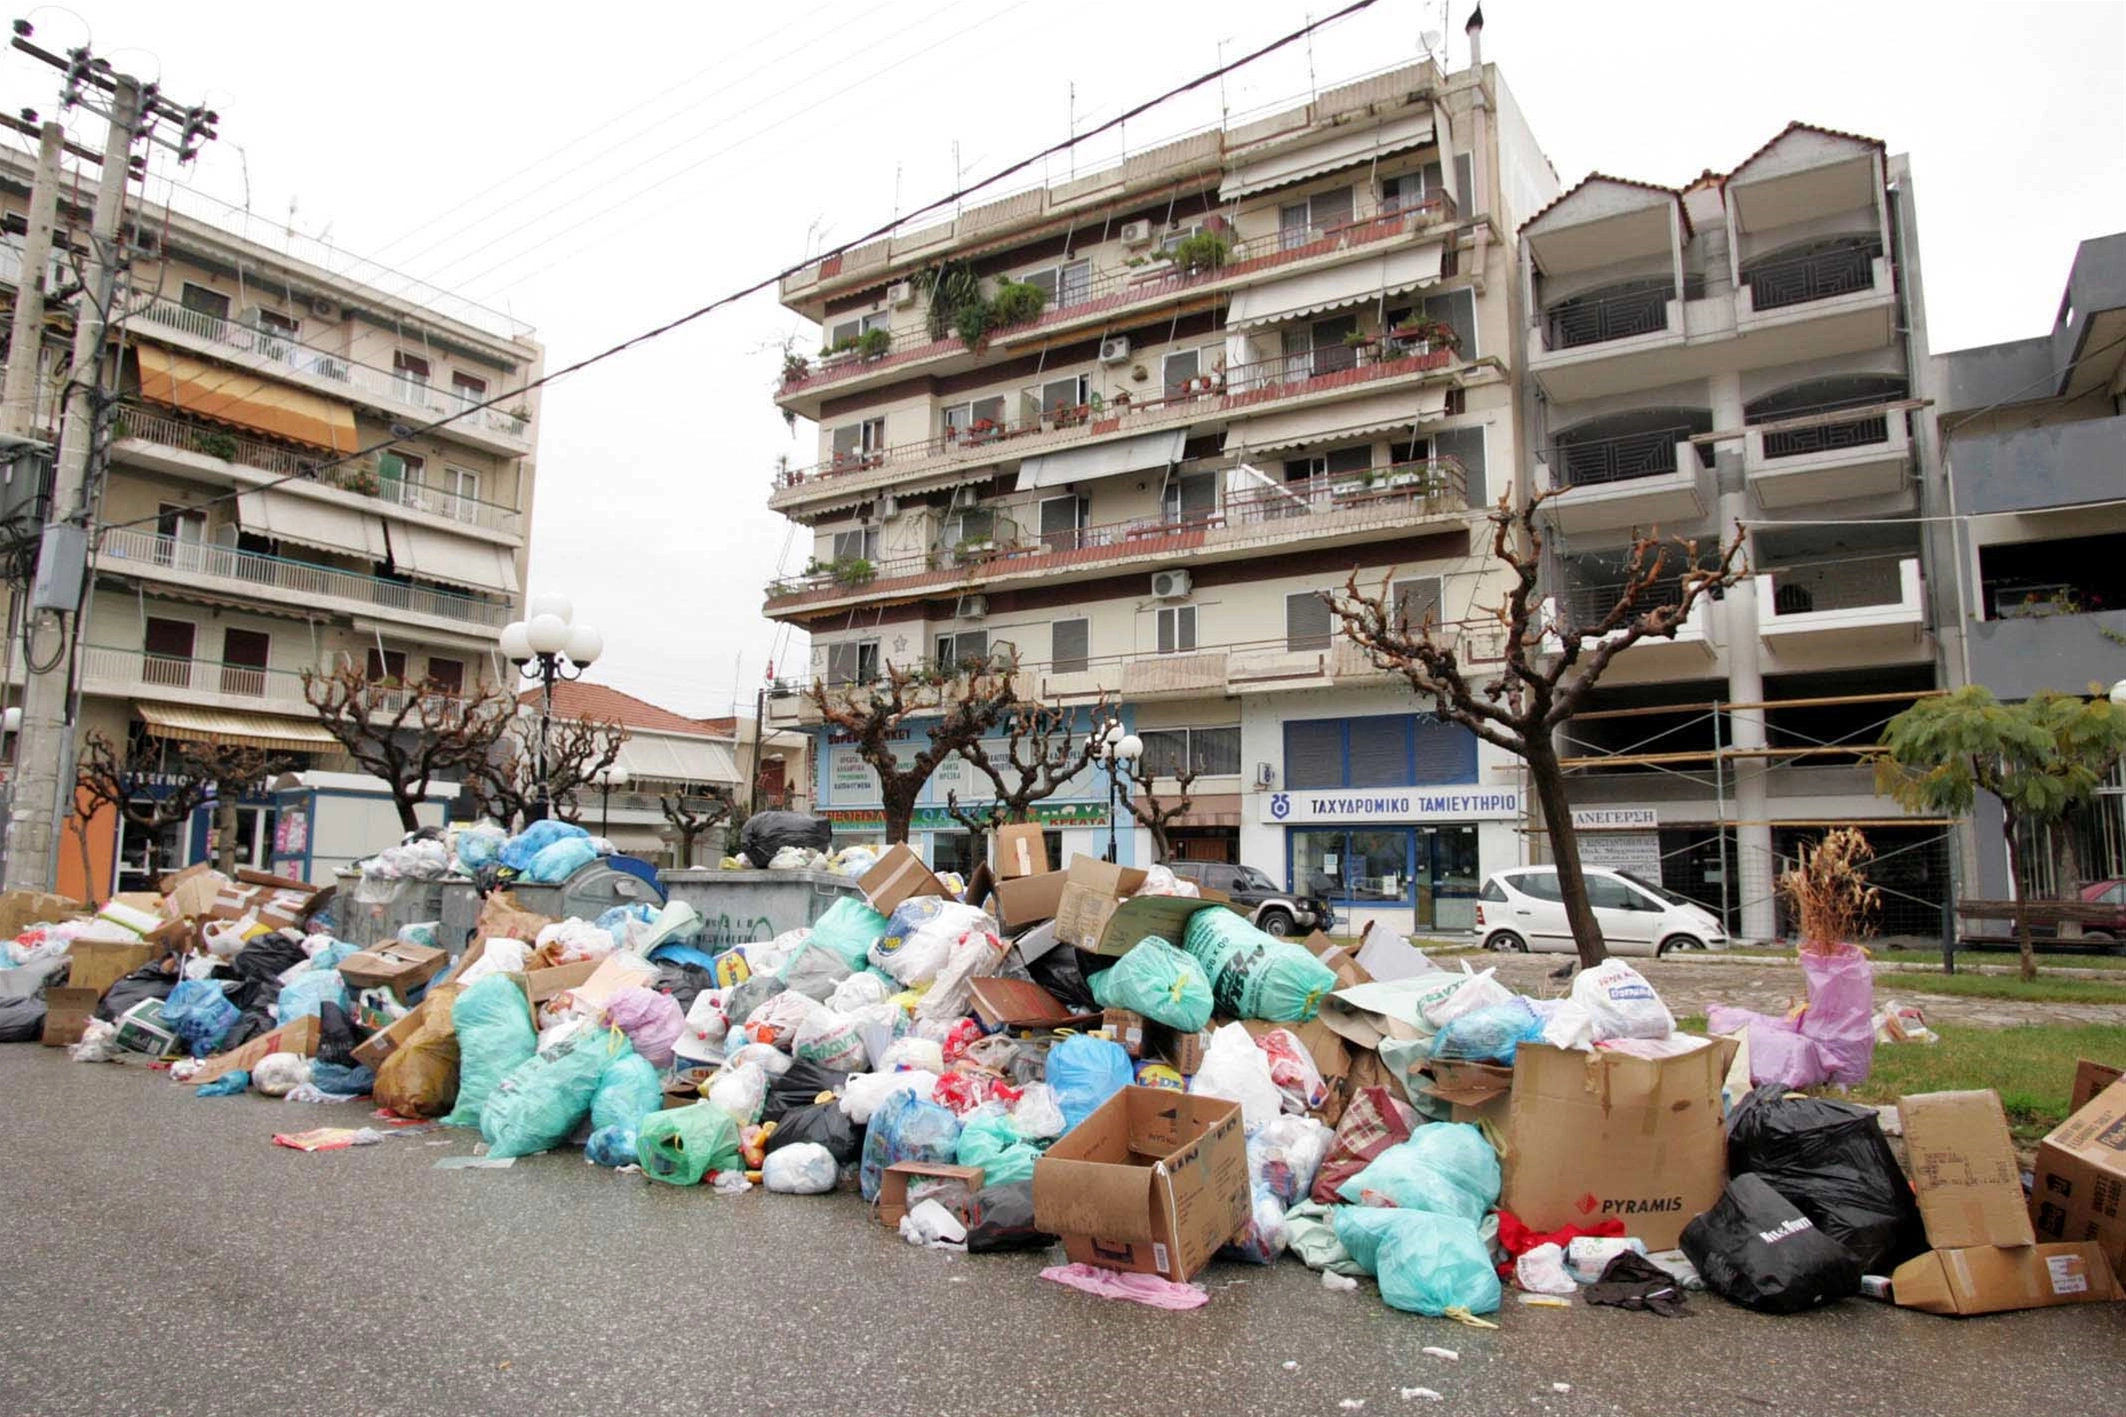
(1392, 804)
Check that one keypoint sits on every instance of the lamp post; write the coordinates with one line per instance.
(2118, 694)
(610, 778)
(1119, 751)
(547, 645)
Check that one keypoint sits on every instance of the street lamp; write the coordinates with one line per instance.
(547, 645)
(1119, 751)
(608, 779)
(2118, 694)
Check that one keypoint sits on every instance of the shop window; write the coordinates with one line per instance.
(1390, 750)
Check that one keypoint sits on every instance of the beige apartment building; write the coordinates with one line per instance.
(1266, 357)
(233, 559)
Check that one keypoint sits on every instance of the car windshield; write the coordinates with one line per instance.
(1659, 892)
(1253, 880)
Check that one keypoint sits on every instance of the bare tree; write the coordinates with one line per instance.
(233, 769)
(1042, 753)
(137, 785)
(966, 702)
(408, 735)
(689, 822)
(1158, 816)
(505, 784)
(1552, 657)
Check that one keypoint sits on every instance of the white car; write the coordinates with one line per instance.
(1521, 909)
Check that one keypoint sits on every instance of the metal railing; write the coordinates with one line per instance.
(260, 574)
(1587, 605)
(1861, 422)
(1817, 276)
(1846, 584)
(1576, 322)
(113, 667)
(1592, 461)
(393, 386)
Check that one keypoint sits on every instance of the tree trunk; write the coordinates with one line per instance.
(2067, 884)
(88, 868)
(1162, 849)
(224, 831)
(1548, 779)
(898, 803)
(686, 846)
(2024, 947)
(409, 820)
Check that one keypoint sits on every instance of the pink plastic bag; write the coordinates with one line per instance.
(651, 1021)
(1841, 1012)
(1779, 1053)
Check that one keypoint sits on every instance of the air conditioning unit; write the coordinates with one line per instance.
(888, 506)
(901, 294)
(968, 496)
(972, 607)
(1136, 233)
(319, 305)
(1169, 585)
(1114, 349)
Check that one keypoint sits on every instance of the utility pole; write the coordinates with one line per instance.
(18, 416)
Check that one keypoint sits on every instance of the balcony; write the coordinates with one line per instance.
(1584, 604)
(1835, 301)
(1655, 478)
(1117, 291)
(2034, 469)
(1828, 454)
(1354, 508)
(2016, 656)
(1601, 344)
(149, 426)
(389, 391)
(251, 577)
(1869, 603)
(136, 674)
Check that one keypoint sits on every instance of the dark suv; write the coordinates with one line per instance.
(1275, 910)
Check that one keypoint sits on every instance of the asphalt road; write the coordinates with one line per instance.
(167, 1258)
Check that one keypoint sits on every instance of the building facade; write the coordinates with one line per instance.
(667, 759)
(238, 549)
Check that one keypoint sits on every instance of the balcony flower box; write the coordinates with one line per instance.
(1070, 416)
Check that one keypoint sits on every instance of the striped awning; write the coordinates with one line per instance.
(246, 400)
(250, 730)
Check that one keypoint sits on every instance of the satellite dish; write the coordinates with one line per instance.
(1430, 39)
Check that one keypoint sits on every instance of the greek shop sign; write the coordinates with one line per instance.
(1391, 804)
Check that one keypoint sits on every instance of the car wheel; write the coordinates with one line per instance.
(1506, 942)
(1277, 924)
(1680, 942)
(2105, 942)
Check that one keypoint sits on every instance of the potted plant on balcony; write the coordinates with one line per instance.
(974, 548)
(794, 365)
(873, 344)
(215, 444)
(1207, 250)
(1421, 336)
(1070, 415)
(853, 570)
(982, 430)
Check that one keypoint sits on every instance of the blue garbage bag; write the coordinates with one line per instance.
(307, 995)
(517, 853)
(341, 1080)
(200, 1014)
(561, 860)
(541, 1100)
(629, 1090)
(611, 1146)
(1453, 1171)
(1489, 1035)
(906, 1128)
(330, 956)
(493, 1021)
(1085, 1072)
(1459, 1150)
(850, 928)
(615, 921)
(227, 1085)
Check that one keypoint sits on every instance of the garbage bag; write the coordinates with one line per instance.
(337, 1036)
(1062, 973)
(920, 935)
(21, 1019)
(680, 1145)
(755, 990)
(1474, 991)
(814, 971)
(806, 1169)
(541, 1100)
(776, 1021)
(1084, 1072)
(766, 833)
(200, 1014)
(988, 1139)
(612, 1146)
(1235, 1069)
(1253, 975)
(1492, 1034)
(739, 1090)
(267, 958)
(827, 1039)
(973, 956)
(906, 1128)
(420, 1077)
(342, 1080)
(1403, 1179)
(1300, 1084)
(1755, 1248)
(561, 860)
(1428, 1264)
(799, 1086)
(310, 992)
(1832, 1161)
(650, 1020)
(849, 929)
(495, 1033)
(147, 982)
(1164, 984)
(1621, 1002)
(1310, 1234)
(279, 1074)
(1840, 1018)
(1779, 1055)
(822, 1124)
(1000, 1217)
(1375, 1120)
(628, 1090)
(865, 1093)
(521, 850)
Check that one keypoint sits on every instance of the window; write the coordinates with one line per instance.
(976, 419)
(1387, 750)
(1065, 397)
(200, 300)
(1604, 893)
(410, 373)
(1067, 284)
(966, 647)
(1304, 221)
(1492, 891)
(1177, 629)
(181, 537)
(1538, 885)
(852, 663)
(461, 493)
(1320, 348)
(399, 478)
(1411, 188)
(469, 388)
(859, 444)
(857, 544)
(1466, 446)
(1457, 311)
(1191, 498)
(1070, 646)
(387, 664)
(1357, 868)
(168, 657)
(1208, 752)
(1342, 462)
(1306, 622)
(447, 674)
(1416, 599)
(972, 528)
(1380, 751)
(1180, 367)
(1165, 750)
(853, 330)
(244, 655)
(277, 323)
(1062, 518)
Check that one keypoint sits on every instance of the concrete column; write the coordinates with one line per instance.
(1735, 628)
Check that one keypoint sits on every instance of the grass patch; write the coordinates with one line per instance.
(2032, 1068)
(2003, 986)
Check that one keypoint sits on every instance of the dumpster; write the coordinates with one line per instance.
(368, 912)
(595, 888)
(739, 907)
(459, 912)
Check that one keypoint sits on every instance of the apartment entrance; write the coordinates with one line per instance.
(1207, 844)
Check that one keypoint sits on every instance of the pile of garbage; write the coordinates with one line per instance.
(544, 852)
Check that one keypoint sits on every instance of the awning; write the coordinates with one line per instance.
(661, 757)
(290, 516)
(1365, 281)
(232, 396)
(1146, 450)
(1405, 408)
(1300, 163)
(248, 730)
(453, 560)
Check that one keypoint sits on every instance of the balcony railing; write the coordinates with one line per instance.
(1626, 456)
(1573, 323)
(154, 426)
(119, 670)
(261, 575)
(364, 381)
(1587, 605)
(1818, 276)
(1851, 423)
(1849, 584)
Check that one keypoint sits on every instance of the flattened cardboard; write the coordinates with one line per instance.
(300, 1036)
(1020, 1003)
(1021, 851)
(373, 1050)
(893, 1187)
(191, 892)
(981, 885)
(502, 918)
(612, 974)
(1124, 926)
(1992, 1279)
(98, 964)
(1964, 1172)
(21, 909)
(1154, 1182)
(2078, 1192)
(899, 875)
(1349, 972)
(1608, 1136)
(2090, 1078)
(1126, 1027)
(1473, 1092)
(396, 966)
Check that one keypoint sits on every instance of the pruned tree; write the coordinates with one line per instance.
(690, 822)
(505, 784)
(1551, 657)
(964, 704)
(1042, 753)
(233, 769)
(136, 784)
(1157, 815)
(409, 735)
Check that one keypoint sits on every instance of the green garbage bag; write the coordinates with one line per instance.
(492, 1017)
(628, 1091)
(1253, 975)
(542, 1099)
(680, 1145)
(991, 1141)
(849, 928)
(1310, 1233)
(1160, 982)
(1429, 1264)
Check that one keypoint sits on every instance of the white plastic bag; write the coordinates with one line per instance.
(1621, 1002)
(1478, 991)
(802, 1169)
(912, 1052)
(1293, 1069)
(933, 1226)
(1235, 1069)
(769, 956)
(858, 991)
(501, 956)
(576, 940)
(771, 1061)
(780, 1017)
(1036, 1114)
(279, 1074)
(951, 992)
(225, 938)
(864, 1093)
(706, 1028)
(1569, 1026)
(1588, 1255)
(1542, 1271)
(928, 926)
(834, 1041)
(740, 1091)
(1161, 880)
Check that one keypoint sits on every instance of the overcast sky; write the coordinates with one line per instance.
(595, 179)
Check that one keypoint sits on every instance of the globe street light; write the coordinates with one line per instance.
(1119, 751)
(2118, 693)
(548, 644)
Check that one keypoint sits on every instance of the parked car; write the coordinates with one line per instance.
(1521, 909)
(1275, 910)
(2113, 894)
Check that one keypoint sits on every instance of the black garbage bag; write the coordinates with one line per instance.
(1001, 1218)
(265, 959)
(146, 982)
(746, 997)
(1833, 1162)
(1755, 1248)
(249, 1024)
(766, 833)
(1062, 973)
(337, 1037)
(684, 982)
(21, 1019)
(820, 1122)
(799, 1087)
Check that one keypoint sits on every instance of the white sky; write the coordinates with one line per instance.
(597, 179)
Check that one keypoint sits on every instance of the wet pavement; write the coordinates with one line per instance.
(167, 1258)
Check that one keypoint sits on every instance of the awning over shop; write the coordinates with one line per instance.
(1146, 450)
(454, 560)
(660, 757)
(1404, 408)
(326, 526)
(250, 730)
(1357, 284)
(1299, 163)
(232, 396)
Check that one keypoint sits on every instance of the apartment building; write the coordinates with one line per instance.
(1743, 353)
(2034, 446)
(233, 558)
(1265, 358)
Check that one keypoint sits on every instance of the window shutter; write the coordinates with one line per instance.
(1446, 752)
(1185, 628)
(1456, 310)
(1314, 753)
(1466, 446)
(1380, 751)
(1306, 622)
(1415, 599)
(1166, 632)
(1215, 751)
(841, 664)
(1070, 646)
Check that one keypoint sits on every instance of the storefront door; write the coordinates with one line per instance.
(1430, 870)
(1447, 878)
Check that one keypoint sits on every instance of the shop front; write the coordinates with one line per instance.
(1409, 857)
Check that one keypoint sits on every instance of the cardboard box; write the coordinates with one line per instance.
(21, 909)
(501, 918)
(67, 1012)
(1964, 1172)
(981, 885)
(544, 984)
(1021, 851)
(1029, 900)
(1990, 1279)
(1151, 1183)
(98, 964)
(1349, 972)
(1605, 1135)
(2089, 1080)
(893, 1187)
(2079, 1193)
(1126, 1027)
(399, 967)
(899, 874)
(1182, 1051)
(1473, 1092)
(1092, 891)
(1018, 1003)
(299, 1036)
(191, 892)
(373, 1050)
(612, 974)
(1331, 1055)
